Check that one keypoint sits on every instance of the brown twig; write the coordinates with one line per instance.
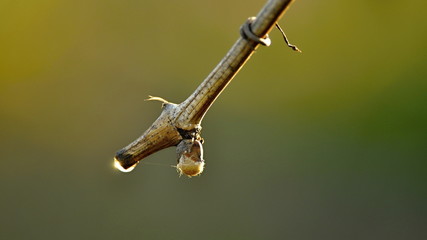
(179, 122)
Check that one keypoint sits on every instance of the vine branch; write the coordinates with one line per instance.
(181, 122)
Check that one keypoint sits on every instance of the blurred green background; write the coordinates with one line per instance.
(327, 144)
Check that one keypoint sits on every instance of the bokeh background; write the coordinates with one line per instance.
(327, 144)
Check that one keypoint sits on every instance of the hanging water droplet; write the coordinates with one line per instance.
(190, 157)
(122, 169)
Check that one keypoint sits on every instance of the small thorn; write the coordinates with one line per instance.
(151, 98)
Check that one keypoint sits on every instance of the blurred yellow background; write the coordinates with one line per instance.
(327, 144)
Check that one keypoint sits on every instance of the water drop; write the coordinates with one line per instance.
(122, 169)
(190, 157)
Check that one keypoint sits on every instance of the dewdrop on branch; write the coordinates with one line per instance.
(190, 157)
(118, 166)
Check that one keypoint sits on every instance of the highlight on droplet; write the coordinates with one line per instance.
(119, 166)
